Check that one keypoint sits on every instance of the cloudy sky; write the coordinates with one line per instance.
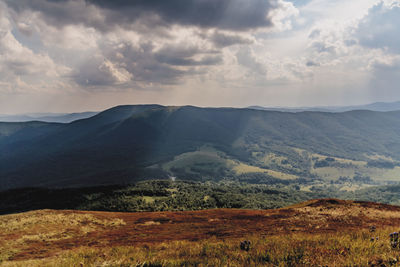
(78, 55)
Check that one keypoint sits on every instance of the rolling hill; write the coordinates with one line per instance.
(47, 117)
(130, 143)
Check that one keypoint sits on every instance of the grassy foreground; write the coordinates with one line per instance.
(314, 233)
(338, 249)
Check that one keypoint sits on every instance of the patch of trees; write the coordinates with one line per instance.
(324, 163)
(161, 195)
(260, 178)
(155, 196)
(363, 179)
(381, 164)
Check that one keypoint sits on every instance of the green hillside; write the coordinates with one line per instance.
(126, 144)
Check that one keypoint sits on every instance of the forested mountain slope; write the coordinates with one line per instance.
(129, 143)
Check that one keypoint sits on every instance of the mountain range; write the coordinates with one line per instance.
(70, 117)
(47, 117)
(125, 144)
(377, 106)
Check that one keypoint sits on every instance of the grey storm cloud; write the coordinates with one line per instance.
(236, 15)
(142, 63)
(223, 40)
(179, 61)
(160, 66)
(181, 56)
(226, 14)
(311, 63)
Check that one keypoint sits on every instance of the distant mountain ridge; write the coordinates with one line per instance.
(47, 117)
(125, 144)
(70, 117)
(377, 106)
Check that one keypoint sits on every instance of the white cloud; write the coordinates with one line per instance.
(99, 71)
(283, 17)
(245, 57)
(380, 29)
(20, 67)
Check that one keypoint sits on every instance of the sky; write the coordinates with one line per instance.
(80, 55)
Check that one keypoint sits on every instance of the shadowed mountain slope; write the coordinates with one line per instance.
(120, 144)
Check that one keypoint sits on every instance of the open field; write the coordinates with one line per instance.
(319, 232)
(342, 167)
(208, 159)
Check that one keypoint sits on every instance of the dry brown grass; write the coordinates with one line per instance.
(298, 249)
(48, 218)
(315, 233)
(19, 231)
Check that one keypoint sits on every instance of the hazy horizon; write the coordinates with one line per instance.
(44, 113)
